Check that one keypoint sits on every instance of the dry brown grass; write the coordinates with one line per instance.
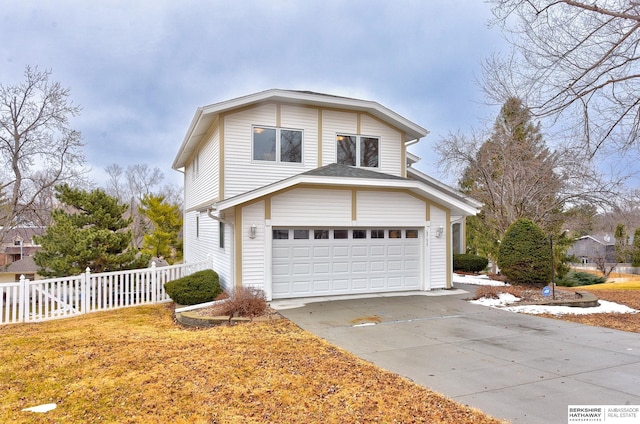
(625, 322)
(136, 365)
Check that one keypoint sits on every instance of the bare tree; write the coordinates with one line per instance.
(515, 175)
(38, 147)
(577, 61)
(133, 184)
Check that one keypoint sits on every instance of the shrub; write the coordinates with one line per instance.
(199, 287)
(467, 262)
(524, 256)
(576, 279)
(246, 302)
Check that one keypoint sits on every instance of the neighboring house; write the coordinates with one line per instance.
(594, 248)
(305, 194)
(16, 253)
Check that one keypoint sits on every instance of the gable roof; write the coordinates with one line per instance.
(347, 176)
(205, 116)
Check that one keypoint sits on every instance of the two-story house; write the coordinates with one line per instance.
(305, 194)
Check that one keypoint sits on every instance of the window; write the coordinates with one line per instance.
(17, 242)
(347, 150)
(340, 234)
(221, 237)
(290, 146)
(377, 234)
(369, 152)
(320, 234)
(277, 145)
(355, 150)
(412, 234)
(280, 234)
(301, 234)
(359, 234)
(395, 233)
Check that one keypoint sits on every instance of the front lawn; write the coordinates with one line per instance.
(136, 365)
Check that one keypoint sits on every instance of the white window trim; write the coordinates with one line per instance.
(278, 146)
(358, 148)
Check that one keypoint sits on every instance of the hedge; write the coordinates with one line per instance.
(467, 262)
(199, 287)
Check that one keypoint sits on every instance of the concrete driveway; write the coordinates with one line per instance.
(522, 368)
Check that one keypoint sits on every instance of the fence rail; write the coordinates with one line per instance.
(42, 300)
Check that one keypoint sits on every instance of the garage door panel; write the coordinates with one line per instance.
(315, 267)
(377, 266)
(359, 284)
(341, 252)
(359, 251)
(340, 267)
(321, 252)
(340, 285)
(321, 268)
(301, 252)
(359, 266)
(377, 251)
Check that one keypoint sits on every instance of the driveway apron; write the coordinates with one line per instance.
(521, 368)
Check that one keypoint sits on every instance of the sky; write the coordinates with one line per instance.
(139, 69)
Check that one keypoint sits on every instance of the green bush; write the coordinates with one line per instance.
(467, 262)
(576, 279)
(199, 287)
(524, 256)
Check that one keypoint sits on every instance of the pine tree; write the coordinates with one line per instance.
(166, 219)
(88, 232)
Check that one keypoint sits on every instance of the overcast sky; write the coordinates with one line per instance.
(139, 69)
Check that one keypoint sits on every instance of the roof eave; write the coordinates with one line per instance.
(412, 185)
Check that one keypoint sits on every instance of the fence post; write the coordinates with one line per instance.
(154, 283)
(86, 290)
(23, 309)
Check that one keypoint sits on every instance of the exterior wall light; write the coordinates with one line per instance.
(439, 231)
(252, 231)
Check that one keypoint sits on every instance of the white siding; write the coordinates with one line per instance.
(253, 255)
(203, 186)
(242, 174)
(378, 208)
(334, 122)
(390, 149)
(306, 206)
(205, 245)
(438, 248)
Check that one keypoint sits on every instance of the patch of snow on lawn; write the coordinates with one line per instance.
(477, 280)
(605, 307)
(502, 300)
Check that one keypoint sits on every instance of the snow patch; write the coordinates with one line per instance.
(477, 280)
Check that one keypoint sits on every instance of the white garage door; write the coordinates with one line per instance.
(317, 262)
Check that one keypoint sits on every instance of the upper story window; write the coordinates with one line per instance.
(277, 144)
(357, 150)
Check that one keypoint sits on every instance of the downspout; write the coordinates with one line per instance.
(232, 256)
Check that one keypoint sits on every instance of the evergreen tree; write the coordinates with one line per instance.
(166, 219)
(636, 248)
(88, 232)
(525, 254)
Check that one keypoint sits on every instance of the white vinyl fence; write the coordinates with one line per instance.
(41, 300)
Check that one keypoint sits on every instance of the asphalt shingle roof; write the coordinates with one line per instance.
(346, 171)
